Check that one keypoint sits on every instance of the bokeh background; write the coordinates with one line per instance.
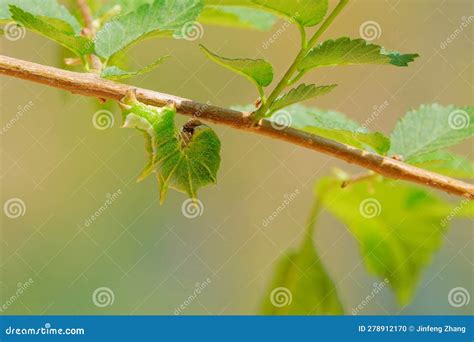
(151, 256)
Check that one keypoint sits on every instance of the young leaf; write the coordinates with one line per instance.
(161, 17)
(332, 125)
(301, 286)
(346, 51)
(257, 71)
(241, 17)
(445, 163)
(431, 128)
(115, 73)
(301, 93)
(54, 30)
(184, 160)
(399, 227)
(49, 9)
(304, 12)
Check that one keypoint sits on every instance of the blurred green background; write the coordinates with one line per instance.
(152, 257)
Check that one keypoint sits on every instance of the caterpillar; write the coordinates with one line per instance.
(183, 159)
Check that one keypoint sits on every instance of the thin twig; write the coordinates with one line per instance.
(94, 86)
(89, 31)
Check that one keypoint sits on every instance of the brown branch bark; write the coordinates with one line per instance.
(94, 86)
(89, 31)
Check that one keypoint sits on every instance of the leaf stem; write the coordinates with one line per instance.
(313, 217)
(286, 79)
(89, 31)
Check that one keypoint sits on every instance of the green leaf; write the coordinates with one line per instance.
(50, 9)
(431, 128)
(346, 51)
(398, 227)
(53, 30)
(115, 73)
(301, 286)
(304, 12)
(445, 163)
(241, 17)
(126, 6)
(331, 125)
(161, 17)
(257, 71)
(301, 93)
(185, 159)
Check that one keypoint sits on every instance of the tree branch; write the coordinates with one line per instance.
(88, 84)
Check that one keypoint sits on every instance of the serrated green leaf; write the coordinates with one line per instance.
(257, 71)
(241, 17)
(399, 227)
(301, 286)
(301, 93)
(51, 10)
(161, 17)
(431, 128)
(445, 163)
(53, 30)
(184, 160)
(331, 125)
(304, 12)
(346, 51)
(115, 73)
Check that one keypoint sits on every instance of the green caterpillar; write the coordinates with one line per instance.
(185, 159)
